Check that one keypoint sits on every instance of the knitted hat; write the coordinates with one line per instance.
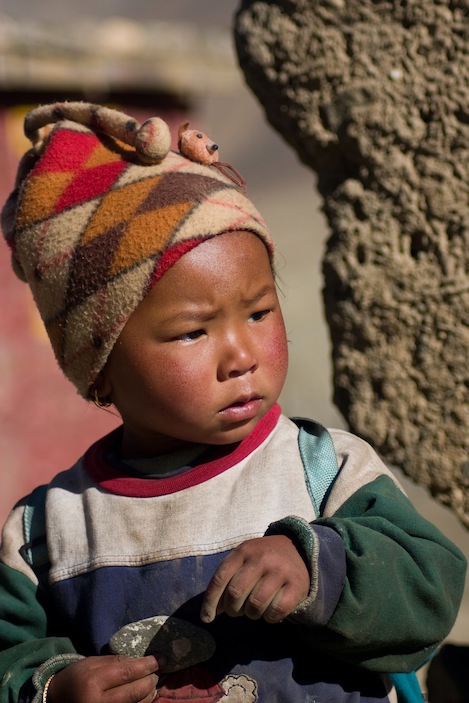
(101, 209)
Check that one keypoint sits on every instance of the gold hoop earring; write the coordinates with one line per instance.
(100, 402)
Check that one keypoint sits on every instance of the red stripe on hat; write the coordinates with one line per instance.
(70, 152)
(66, 151)
(90, 183)
(173, 254)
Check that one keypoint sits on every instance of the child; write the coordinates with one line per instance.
(187, 555)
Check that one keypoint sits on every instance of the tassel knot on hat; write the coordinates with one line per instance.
(101, 209)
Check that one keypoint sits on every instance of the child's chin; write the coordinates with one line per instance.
(236, 433)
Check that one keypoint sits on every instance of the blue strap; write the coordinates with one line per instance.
(319, 461)
(407, 687)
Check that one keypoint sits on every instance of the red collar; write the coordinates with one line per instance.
(115, 480)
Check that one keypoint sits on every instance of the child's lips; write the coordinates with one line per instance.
(244, 408)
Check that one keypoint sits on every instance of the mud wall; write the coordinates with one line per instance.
(373, 95)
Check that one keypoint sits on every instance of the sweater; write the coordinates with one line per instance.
(128, 555)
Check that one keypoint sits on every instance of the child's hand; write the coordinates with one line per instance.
(264, 577)
(107, 679)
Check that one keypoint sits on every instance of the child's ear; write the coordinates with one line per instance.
(102, 387)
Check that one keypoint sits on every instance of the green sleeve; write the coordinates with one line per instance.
(25, 643)
(403, 586)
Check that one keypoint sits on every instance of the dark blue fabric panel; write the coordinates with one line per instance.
(98, 603)
(273, 659)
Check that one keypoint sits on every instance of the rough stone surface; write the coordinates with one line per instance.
(372, 94)
(182, 643)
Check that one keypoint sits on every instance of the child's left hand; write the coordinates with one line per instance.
(262, 578)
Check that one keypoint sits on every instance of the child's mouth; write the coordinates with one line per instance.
(242, 409)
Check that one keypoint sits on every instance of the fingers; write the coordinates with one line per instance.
(246, 593)
(212, 604)
(264, 577)
(106, 679)
(257, 596)
(133, 685)
(115, 671)
(267, 600)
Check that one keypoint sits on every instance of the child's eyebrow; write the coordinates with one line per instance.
(192, 316)
(204, 313)
(262, 293)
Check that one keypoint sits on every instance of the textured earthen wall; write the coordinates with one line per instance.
(374, 96)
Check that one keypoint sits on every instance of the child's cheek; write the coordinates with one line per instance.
(278, 354)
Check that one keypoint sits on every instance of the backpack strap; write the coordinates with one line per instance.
(319, 461)
(34, 550)
(407, 687)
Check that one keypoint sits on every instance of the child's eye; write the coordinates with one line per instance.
(190, 336)
(257, 316)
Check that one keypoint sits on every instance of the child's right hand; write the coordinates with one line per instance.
(106, 679)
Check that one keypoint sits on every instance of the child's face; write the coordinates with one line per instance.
(204, 356)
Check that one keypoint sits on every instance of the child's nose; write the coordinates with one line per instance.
(237, 358)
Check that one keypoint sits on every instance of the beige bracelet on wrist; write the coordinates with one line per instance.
(46, 688)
